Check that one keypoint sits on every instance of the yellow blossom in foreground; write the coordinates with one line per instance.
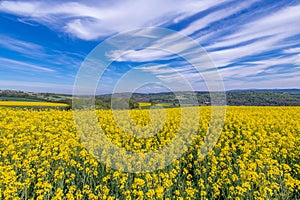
(257, 155)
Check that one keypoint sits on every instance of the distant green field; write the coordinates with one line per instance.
(18, 99)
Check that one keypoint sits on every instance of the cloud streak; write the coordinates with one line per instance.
(216, 16)
(19, 65)
(250, 42)
(89, 22)
(19, 45)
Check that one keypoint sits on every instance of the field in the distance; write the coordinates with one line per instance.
(256, 157)
(30, 104)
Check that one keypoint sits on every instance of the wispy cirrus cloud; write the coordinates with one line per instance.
(24, 66)
(20, 46)
(255, 37)
(36, 51)
(254, 43)
(292, 50)
(216, 16)
(258, 36)
(90, 21)
(283, 23)
(139, 55)
(271, 68)
(49, 59)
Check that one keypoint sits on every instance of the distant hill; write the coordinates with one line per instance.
(238, 98)
(267, 90)
(250, 97)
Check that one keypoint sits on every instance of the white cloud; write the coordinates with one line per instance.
(87, 21)
(216, 16)
(36, 51)
(19, 45)
(230, 55)
(165, 70)
(274, 32)
(253, 68)
(267, 83)
(295, 59)
(292, 50)
(162, 45)
(19, 65)
(93, 20)
(269, 32)
(282, 24)
(139, 55)
(186, 77)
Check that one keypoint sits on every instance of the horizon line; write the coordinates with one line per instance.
(231, 90)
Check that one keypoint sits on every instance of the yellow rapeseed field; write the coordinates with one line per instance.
(256, 157)
(143, 104)
(30, 104)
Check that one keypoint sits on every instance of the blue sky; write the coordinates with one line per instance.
(253, 44)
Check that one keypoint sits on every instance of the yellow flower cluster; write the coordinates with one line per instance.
(143, 104)
(256, 157)
(30, 104)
